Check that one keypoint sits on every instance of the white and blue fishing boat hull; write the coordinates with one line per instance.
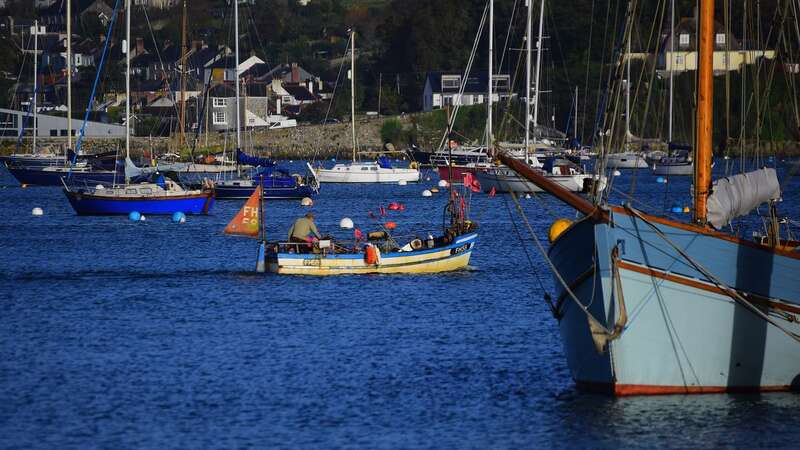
(683, 334)
(454, 255)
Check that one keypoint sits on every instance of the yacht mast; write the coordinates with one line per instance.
(353, 88)
(184, 50)
(671, 69)
(538, 66)
(236, 77)
(489, 136)
(628, 85)
(705, 111)
(127, 83)
(528, 38)
(35, 80)
(69, 75)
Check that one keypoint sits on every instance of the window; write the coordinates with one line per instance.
(287, 99)
(679, 60)
(220, 102)
(130, 191)
(684, 39)
(53, 132)
(63, 132)
(720, 38)
(448, 100)
(500, 82)
(451, 81)
(219, 118)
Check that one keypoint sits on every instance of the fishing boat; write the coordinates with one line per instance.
(156, 195)
(377, 252)
(381, 171)
(651, 305)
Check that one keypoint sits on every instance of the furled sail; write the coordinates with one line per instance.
(736, 196)
(246, 222)
(244, 158)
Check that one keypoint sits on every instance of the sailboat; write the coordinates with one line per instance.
(627, 159)
(677, 161)
(157, 195)
(560, 170)
(380, 171)
(47, 169)
(651, 305)
(274, 182)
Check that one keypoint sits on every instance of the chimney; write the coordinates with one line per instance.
(139, 46)
(295, 73)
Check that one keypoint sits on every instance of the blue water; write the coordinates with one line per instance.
(116, 334)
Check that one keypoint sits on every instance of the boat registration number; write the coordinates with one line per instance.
(460, 249)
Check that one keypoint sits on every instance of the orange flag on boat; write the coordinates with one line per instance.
(246, 222)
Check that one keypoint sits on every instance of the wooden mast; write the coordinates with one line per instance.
(705, 110)
(184, 51)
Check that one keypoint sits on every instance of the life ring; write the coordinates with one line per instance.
(413, 165)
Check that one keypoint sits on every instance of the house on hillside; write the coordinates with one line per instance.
(678, 52)
(442, 89)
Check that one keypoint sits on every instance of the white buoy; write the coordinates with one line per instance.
(443, 183)
(427, 193)
(346, 223)
(427, 178)
(99, 187)
(617, 173)
(37, 211)
(527, 195)
(143, 218)
(306, 201)
(402, 182)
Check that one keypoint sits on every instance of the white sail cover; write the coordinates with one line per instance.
(736, 196)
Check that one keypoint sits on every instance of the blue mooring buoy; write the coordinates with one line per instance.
(661, 180)
(178, 217)
(135, 216)
(677, 209)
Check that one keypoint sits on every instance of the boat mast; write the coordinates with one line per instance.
(538, 66)
(35, 79)
(236, 76)
(184, 50)
(705, 110)
(127, 83)
(489, 137)
(575, 124)
(528, 37)
(69, 76)
(628, 86)
(353, 88)
(670, 68)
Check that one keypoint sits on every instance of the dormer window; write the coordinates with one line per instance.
(720, 39)
(684, 39)
(451, 81)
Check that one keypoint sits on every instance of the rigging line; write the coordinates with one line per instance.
(586, 78)
(527, 254)
(476, 42)
(160, 60)
(729, 291)
(555, 271)
(333, 99)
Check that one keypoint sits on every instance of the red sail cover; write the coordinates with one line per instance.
(246, 222)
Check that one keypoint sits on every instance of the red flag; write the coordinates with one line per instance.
(492, 192)
(471, 182)
(358, 235)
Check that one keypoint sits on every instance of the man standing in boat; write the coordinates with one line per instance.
(303, 229)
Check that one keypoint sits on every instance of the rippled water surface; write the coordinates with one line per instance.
(116, 334)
